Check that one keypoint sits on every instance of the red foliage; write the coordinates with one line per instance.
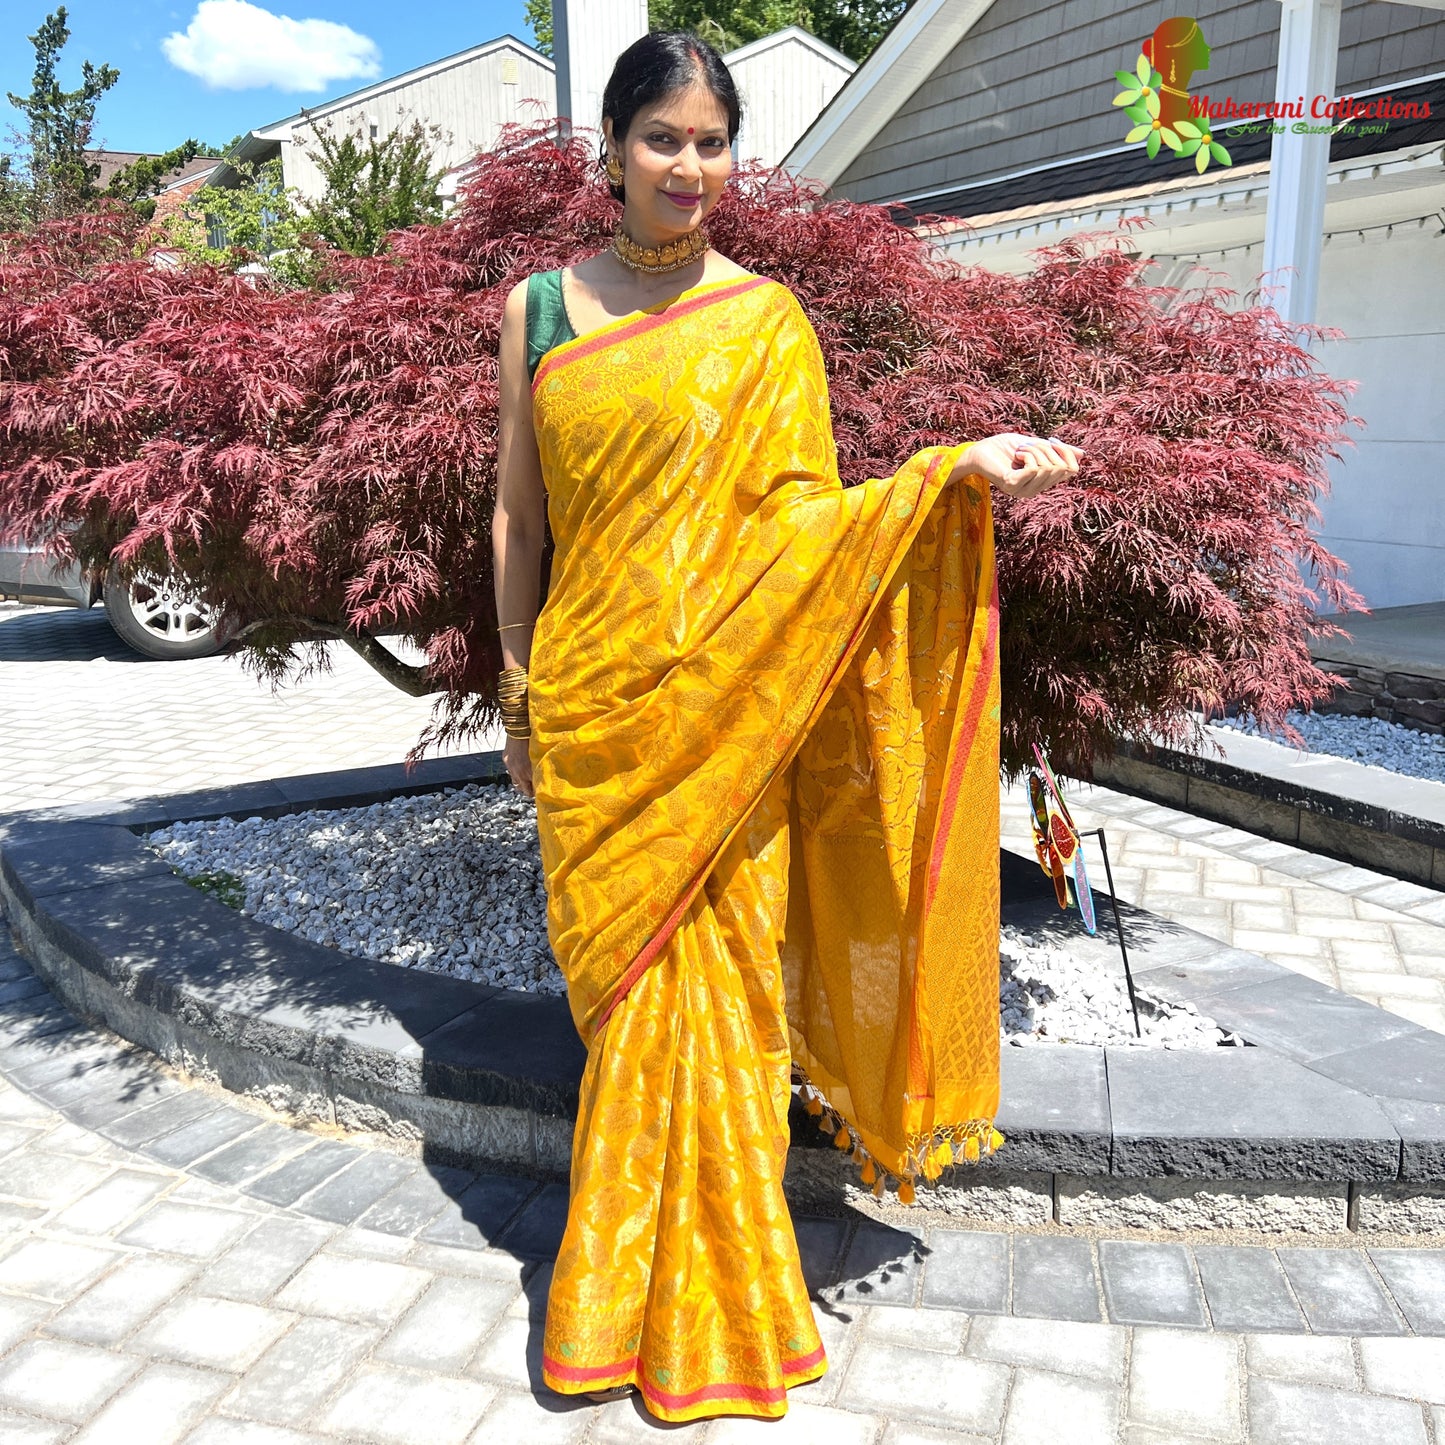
(328, 457)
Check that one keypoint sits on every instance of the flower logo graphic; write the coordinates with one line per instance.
(1159, 108)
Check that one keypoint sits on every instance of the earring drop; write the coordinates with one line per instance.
(614, 170)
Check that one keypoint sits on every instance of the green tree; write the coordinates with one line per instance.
(369, 188)
(852, 26)
(374, 186)
(142, 180)
(235, 226)
(50, 174)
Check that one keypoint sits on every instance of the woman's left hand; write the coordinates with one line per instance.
(1020, 466)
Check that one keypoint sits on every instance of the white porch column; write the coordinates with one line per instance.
(1309, 37)
(587, 38)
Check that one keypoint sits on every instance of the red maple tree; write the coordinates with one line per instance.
(321, 464)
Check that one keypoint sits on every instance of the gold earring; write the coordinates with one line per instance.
(614, 169)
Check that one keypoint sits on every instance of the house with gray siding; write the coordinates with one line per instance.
(994, 118)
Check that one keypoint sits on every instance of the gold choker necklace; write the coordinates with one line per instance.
(655, 260)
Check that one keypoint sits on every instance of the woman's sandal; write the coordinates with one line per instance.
(602, 1397)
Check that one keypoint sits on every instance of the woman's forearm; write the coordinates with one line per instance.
(517, 571)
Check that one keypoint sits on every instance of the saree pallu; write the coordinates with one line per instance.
(765, 754)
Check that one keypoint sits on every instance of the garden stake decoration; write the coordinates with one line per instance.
(1058, 846)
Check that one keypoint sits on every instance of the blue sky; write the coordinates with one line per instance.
(211, 68)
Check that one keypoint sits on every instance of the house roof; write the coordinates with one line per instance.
(795, 35)
(281, 129)
(916, 45)
(112, 161)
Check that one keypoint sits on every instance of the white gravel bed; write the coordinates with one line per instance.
(1368, 740)
(451, 882)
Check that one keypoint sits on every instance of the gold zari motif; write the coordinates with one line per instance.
(765, 748)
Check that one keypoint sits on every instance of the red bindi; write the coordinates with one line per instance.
(689, 130)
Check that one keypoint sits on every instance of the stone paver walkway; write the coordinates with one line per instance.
(1371, 935)
(85, 719)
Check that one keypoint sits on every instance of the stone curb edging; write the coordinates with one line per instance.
(1293, 1134)
(1395, 824)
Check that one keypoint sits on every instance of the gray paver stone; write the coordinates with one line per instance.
(251, 1154)
(536, 1230)
(61, 1379)
(956, 1392)
(287, 1182)
(369, 1291)
(1287, 1414)
(1054, 1279)
(39, 1177)
(1304, 1359)
(196, 1230)
(1339, 1294)
(967, 1271)
(27, 1430)
(158, 1407)
(346, 1196)
(417, 1200)
(444, 1327)
(881, 1267)
(1416, 1278)
(1186, 1381)
(300, 1371)
(1246, 1289)
(820, 1248)
(258, 1264)
(1061, 1407)
(1064, 1347)
(1241, 1114)
(107, 1312)
(477, 1217)
(391, 1405)
(105, 1208)
(182, 1147)
(54, 1269)
(221, 1334)
(1150, 1284)
(138, 1127)
(1410, 1369)
(20, 1317)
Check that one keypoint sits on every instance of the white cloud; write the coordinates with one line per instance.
(234, 45)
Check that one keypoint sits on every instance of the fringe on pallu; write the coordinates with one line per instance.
(928, 1154)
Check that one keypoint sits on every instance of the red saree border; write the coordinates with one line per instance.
(792, 1371)
(623, 329)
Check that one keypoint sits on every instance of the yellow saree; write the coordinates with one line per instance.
(765, 751)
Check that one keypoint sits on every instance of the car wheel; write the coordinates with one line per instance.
(158, 617)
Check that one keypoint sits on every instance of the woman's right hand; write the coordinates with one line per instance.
(1018, 465)
(518, 762)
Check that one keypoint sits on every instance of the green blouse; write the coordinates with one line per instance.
(547, 323)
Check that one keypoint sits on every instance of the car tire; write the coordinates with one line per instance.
(158, 618)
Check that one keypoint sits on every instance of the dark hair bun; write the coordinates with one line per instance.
(657, 65)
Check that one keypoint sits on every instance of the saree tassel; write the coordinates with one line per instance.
(906, 1192)
(841, 1139)
(814, 1105)
(869, 1174)
(878, 1187)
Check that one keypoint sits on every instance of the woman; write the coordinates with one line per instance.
(759, 715)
